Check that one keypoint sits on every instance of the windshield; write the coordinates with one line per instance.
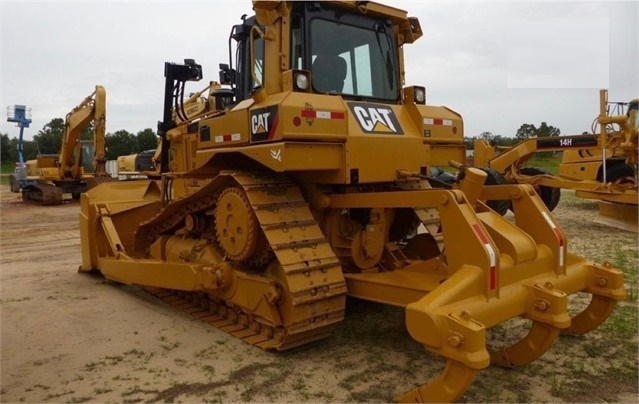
(352, 60)
(87, 151)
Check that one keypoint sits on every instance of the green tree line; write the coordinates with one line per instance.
(525, 131)
(49, 139)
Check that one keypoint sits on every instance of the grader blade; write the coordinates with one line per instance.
(619, 215)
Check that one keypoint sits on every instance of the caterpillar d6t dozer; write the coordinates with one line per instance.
(305, 179)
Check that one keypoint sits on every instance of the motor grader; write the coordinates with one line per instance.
(79, 164)
(600, 166)
(615, 158)
(307, 179)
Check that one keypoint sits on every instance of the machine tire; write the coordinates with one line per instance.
(620, 174)
(443, 176)
(494, 178)
(549, 195)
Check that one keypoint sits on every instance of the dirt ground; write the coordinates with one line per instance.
(70, 337)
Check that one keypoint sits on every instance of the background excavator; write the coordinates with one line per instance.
(305, 180)
(79, 165)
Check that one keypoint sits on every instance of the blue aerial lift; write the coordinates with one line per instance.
(22, 116)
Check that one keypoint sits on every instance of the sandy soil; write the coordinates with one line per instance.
(69, 337)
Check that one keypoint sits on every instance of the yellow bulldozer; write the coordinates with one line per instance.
(79, 165)
(306, 179)
(138, 165)
(147, 163)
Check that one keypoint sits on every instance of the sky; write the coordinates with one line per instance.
(499, 64)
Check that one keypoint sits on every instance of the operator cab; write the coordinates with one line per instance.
(87, 152)
(346, 53)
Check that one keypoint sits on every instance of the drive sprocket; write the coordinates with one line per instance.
(237, 229)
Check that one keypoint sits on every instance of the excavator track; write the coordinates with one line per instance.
(43, 194)
(307, 271)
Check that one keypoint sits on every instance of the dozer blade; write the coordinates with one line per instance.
(619, 215)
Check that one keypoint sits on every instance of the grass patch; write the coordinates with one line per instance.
(91, 366)
(209, 370)
(15, 300)
(83, 399)
(7, 167)
(558, 385)
(622, 323)
(547, 161)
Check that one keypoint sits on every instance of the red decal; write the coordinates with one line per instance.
(493, 278)
(560, 236)
(274, 127)
(480, 234)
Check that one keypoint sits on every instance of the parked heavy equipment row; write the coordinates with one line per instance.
(601, 166)
(79, 165)
(306, 180)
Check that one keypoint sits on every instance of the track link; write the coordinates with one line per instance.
(308, 272)
(220, 315)
(43, 194)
